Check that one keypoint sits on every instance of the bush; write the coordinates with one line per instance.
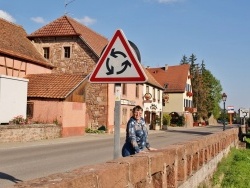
(96, 131)
(18, 120)
(166, 119)
(181, 121)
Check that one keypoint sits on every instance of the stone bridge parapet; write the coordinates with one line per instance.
(185, 164)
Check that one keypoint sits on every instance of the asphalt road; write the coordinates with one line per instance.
(25, 161)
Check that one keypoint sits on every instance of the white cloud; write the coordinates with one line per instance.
(6, 16)
(86, 20)
(38, 20)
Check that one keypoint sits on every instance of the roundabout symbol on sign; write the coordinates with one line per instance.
(125, 63)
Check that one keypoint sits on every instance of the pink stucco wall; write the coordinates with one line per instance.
(13, 67)
(36, 69)
(70, 115)
(73, 119)
(125, 108)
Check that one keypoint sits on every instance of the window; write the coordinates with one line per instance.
(66, 51)
(46, 52)
(124, 89)
(30, 108)
(188, 87)
(147, 89)
(124, 116)
(137, 90)
(153, 94)
(163, 102)
(158, 95)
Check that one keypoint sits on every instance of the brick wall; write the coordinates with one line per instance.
(24, 133)
(185, 164)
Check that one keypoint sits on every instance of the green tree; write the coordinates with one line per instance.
(199, 93)
(206, 89)
(214, 88)
(192, 60)
(184, 60)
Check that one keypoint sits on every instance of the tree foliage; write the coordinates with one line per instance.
(206, 89)
(184, 60)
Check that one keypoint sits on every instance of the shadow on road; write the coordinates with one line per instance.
(9, 177)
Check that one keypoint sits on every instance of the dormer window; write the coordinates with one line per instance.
(165, 86)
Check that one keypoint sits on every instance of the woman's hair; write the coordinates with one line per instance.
(137, 108)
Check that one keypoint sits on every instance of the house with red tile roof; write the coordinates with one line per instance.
(69, 45)
(18, 56)
(177, 93)
(74, 48)
(152, 102)
(58, 98)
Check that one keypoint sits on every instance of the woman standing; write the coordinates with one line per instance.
(136, 134)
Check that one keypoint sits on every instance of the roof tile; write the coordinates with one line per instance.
(14, 42)
(174, 76)
(55, 85)
(67, 26)
(151, 80)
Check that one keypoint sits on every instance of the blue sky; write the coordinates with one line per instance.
(216, 31)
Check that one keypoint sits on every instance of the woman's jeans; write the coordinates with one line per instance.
(127, 149)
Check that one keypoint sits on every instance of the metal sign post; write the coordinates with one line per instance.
(117, 150)
(119, 63)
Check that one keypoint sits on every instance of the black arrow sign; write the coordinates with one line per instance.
(115, 53)
(125, 64)
(110, 69)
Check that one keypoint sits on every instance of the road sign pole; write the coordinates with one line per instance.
(117, 150)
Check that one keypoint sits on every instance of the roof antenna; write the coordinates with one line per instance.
(66, 4)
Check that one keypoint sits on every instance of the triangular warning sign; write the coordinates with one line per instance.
(118, 63)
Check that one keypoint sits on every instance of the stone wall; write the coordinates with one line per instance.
(82, 60)
(185, 164)
(25, 133)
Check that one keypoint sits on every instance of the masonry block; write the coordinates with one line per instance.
(62, 180)
(171, 172)
(170, 161)
(181, 162)
(157, 180)
(137, 167)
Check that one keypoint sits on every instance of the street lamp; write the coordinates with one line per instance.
(224, 98)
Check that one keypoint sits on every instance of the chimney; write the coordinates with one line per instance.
(166, 67)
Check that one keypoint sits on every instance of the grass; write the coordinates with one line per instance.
(234, 170)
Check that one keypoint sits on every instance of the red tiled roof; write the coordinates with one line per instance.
(151, 80)
(66, 26)
(14, 42)
(174, 76)
(56, 85)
